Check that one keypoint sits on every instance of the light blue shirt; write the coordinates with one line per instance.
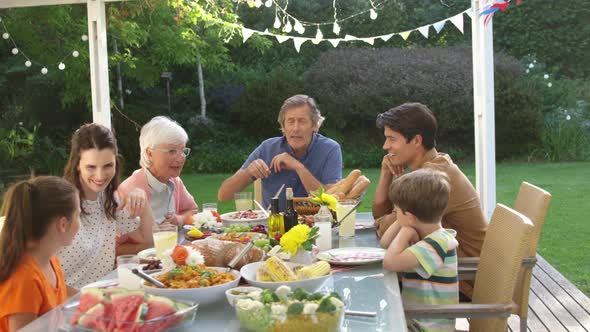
(323, 159)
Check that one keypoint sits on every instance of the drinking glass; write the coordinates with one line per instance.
(209, 207)
(165, 237)
(243, 201)
(347, 226)
(126, 278)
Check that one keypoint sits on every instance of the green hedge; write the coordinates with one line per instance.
(354, 85)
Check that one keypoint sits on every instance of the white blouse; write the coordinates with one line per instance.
(92, 253)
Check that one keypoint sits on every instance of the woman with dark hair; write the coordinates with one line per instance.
(93, 167)
(42, 216)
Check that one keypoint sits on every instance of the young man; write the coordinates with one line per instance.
(301, 159)
(420, 247)
(410, 139)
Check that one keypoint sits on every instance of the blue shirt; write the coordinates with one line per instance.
(323, 159)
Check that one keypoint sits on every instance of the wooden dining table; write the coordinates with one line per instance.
(365, 288)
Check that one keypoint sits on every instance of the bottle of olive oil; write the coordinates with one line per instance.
(290, 213)
(276, 222)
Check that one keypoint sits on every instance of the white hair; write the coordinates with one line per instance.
(160, 130)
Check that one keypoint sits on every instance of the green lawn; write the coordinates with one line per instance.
(565, 230)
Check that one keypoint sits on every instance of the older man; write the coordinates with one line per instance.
(410, 139)
(163, 153)
(301, 158)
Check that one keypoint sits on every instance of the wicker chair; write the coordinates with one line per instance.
(533, 202)
(505, 244)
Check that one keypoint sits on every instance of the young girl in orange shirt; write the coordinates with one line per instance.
(42, 216)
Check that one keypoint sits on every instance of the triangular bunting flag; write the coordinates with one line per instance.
(334, 42)
(246, 33)
(369, 41)
(424, 30)
(350, 37)
(281, 39)
(458, 21)
(439, 25)
(266, 32)
(298, 41)
(405, 34)
(469, 12)
(386, 37)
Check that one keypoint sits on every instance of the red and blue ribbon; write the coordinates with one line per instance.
(490, 10)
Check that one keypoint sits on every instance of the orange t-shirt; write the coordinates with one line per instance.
(28, 291)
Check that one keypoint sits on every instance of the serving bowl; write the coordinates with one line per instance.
(203, 295)
(311, 285)
(227, 219)
(233, 294)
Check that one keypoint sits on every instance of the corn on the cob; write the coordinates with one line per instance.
(314, 270)
(278, 270)
(262, 274)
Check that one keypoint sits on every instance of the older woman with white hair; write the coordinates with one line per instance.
(163, 153)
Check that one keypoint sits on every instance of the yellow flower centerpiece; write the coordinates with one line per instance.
(300, 236)
(323, 199)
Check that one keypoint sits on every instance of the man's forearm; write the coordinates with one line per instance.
(236, 183)
(381, 203)
(309, 181)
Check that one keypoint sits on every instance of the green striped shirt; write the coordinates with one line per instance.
(435, 280)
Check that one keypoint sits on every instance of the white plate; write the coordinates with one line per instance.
(147, 254)
(248, 272)
(364, 224)
(204, 295)
(103, 284)
(352, 256)
(227, 219)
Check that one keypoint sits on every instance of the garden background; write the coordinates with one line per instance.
(542, 89)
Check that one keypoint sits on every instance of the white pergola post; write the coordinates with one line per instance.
(483, 102)
(97, 46)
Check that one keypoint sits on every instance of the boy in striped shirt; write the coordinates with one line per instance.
(420, 247)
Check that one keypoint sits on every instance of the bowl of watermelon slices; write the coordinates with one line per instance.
(119, 309)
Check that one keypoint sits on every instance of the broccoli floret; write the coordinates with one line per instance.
(295, 308)
(326, 305)
(315, 296)
(300, 294)
(267, 296)
(336, 295)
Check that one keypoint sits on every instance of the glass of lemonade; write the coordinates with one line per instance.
(165, 237)
(347, 226)
(126, 278)
(243, 201)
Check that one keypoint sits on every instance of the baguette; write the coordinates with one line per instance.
(359, 188)
(349, 181)
(333, 189)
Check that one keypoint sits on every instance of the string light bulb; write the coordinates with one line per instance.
(6, 35)
(373, 14)
(258, 3)
(75, 54)
(268, 3)
(28, 63)
(288, 27)
(15, 51)
(84, 38)
(318, 36)
(44, 71)
(336, 28)
(61, 66)
(299, 27)
(277, 23)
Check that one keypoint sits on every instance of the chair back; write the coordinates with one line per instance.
(533, 202)
(504, 247)
(258, 191)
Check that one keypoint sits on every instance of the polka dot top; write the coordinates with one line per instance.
(92, 253)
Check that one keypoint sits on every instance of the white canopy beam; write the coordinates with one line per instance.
(483, 102)
(97, 47)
